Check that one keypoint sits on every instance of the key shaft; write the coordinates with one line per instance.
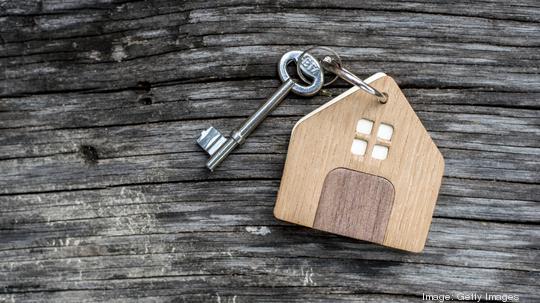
(239, 135)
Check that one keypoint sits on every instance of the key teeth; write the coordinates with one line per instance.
(211, 140)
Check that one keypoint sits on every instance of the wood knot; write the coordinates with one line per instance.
(145, 100)
(89, 154)
(143, 89)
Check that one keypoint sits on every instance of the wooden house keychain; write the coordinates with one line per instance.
(362, 166)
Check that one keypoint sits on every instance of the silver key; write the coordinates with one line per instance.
(219, 147)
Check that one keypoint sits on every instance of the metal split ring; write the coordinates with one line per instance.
(307, 53)
(335, 66)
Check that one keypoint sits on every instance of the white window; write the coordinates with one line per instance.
(381, 139)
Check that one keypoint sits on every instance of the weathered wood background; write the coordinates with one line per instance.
(104, 194)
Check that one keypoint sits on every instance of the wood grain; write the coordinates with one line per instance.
(138, 80)
(355, 205)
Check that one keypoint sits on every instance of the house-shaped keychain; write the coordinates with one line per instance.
(362, 169)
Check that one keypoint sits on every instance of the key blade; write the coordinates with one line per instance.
(211, 140)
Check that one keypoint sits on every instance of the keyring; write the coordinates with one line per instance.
(333, 52)
(332, 65)
(335, 66)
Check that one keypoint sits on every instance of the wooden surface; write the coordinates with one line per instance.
(322, 143)
(104, 194)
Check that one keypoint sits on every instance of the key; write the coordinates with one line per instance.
(219, 147)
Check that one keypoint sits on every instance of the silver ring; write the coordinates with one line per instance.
(309, 66)
(333, 52)
(335, 67)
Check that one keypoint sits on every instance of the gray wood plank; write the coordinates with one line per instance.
(103, 193)
(118, 56)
